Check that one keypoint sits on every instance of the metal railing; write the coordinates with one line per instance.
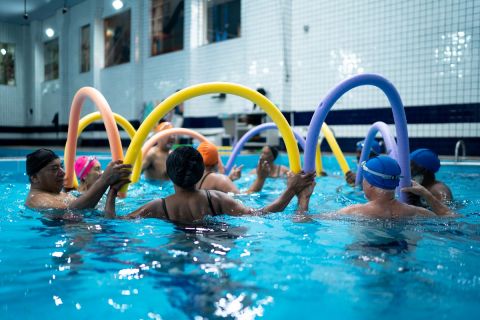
(460, 143)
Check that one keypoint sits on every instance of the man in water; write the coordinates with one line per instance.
(375, 150)
(269, 155)
(212, 180)
(189, 204)
(153, 165)
(381, 176)
(424, 163)
(46, 175)
(88, 171)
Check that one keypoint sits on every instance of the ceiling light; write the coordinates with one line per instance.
(3, 51)
(49, 32)
(117, 4)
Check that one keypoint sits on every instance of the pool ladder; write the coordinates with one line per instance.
(460, 143)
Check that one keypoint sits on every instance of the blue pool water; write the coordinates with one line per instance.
(242, 268)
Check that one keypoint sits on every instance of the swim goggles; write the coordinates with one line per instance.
(87, 166)
(378, 174)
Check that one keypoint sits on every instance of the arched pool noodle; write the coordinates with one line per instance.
(398, 115)
(216, 87)
(122, 122)
(337, 152)
(73, 123)
(153, 140)
(390, 145)
(258, 129)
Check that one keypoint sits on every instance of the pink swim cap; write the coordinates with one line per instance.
(83, 165)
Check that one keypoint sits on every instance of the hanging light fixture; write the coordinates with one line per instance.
(117, 4)
(25, 14)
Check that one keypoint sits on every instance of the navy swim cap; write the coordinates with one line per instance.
(38, 159)
(376, 147)
(426, 158)
(382, 172)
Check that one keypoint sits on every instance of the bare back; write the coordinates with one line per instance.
(216, 181)
(386, 210)
(154, 166)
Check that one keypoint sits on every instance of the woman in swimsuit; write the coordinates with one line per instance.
(188, 204)
(270, 154)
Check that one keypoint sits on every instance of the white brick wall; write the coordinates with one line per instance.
(296, 50)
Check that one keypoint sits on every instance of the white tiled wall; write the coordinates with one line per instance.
(296, 50)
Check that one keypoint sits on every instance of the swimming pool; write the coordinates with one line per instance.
(241, 267)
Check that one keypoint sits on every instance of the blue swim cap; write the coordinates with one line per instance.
(376, 147)
(426, 158)
(382, 172)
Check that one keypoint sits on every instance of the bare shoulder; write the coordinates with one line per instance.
(356, 208)
(283, 170)
(44, 200)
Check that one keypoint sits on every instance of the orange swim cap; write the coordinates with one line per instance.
(209, 153)
(163, 126)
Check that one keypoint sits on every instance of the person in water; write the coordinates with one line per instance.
(381, 176)
(424, 163)
(45, 173)
(212, 180)
(375, 150)
(269, 155)
(189, 204)
(88, 171)
(153, 166)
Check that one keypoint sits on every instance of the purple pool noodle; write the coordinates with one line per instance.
(398, 115)
(390, 146)
(252, 132)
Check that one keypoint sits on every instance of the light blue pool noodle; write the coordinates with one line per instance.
(398, 115)
(390, 144)
(252, 132)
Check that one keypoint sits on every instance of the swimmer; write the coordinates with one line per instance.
(270, 154)
(424, 163)
(381, 176)
(188, 204)
(88, 171)
(46, 175)
(153, 164)
(375, 150)
(212, 180)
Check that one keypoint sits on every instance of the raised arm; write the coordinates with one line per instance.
(262, 171)
(115, 172)
(437, 206)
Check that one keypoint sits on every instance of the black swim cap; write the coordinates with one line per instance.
(37, 160)
(274, 151)
(185, 167)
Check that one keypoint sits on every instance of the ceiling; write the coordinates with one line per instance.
(11, 11)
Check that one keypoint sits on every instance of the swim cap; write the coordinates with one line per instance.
(163, 126)
(37, 160)
(376, 147)
(83, 165)
(209, 153)
(426, 158)
(382, 172)
(185, 167)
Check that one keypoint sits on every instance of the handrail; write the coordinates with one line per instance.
(460, 143)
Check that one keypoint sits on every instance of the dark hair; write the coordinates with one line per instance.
(185, 167)
(38, 159)
(274, 151)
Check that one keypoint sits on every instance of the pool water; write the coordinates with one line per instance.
(249, 267)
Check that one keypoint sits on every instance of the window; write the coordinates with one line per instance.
(167, 26)
(85, 48)
(117, 39)
(223, 20)
(50, 54)
(7, 64)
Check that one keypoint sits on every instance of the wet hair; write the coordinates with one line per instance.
(185, 167)
(38, 159)
(274, 151)
(428, 176)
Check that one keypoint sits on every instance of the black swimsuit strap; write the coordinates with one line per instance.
(278, 171)
(203, 179)
(209, 197)
(164, 204)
